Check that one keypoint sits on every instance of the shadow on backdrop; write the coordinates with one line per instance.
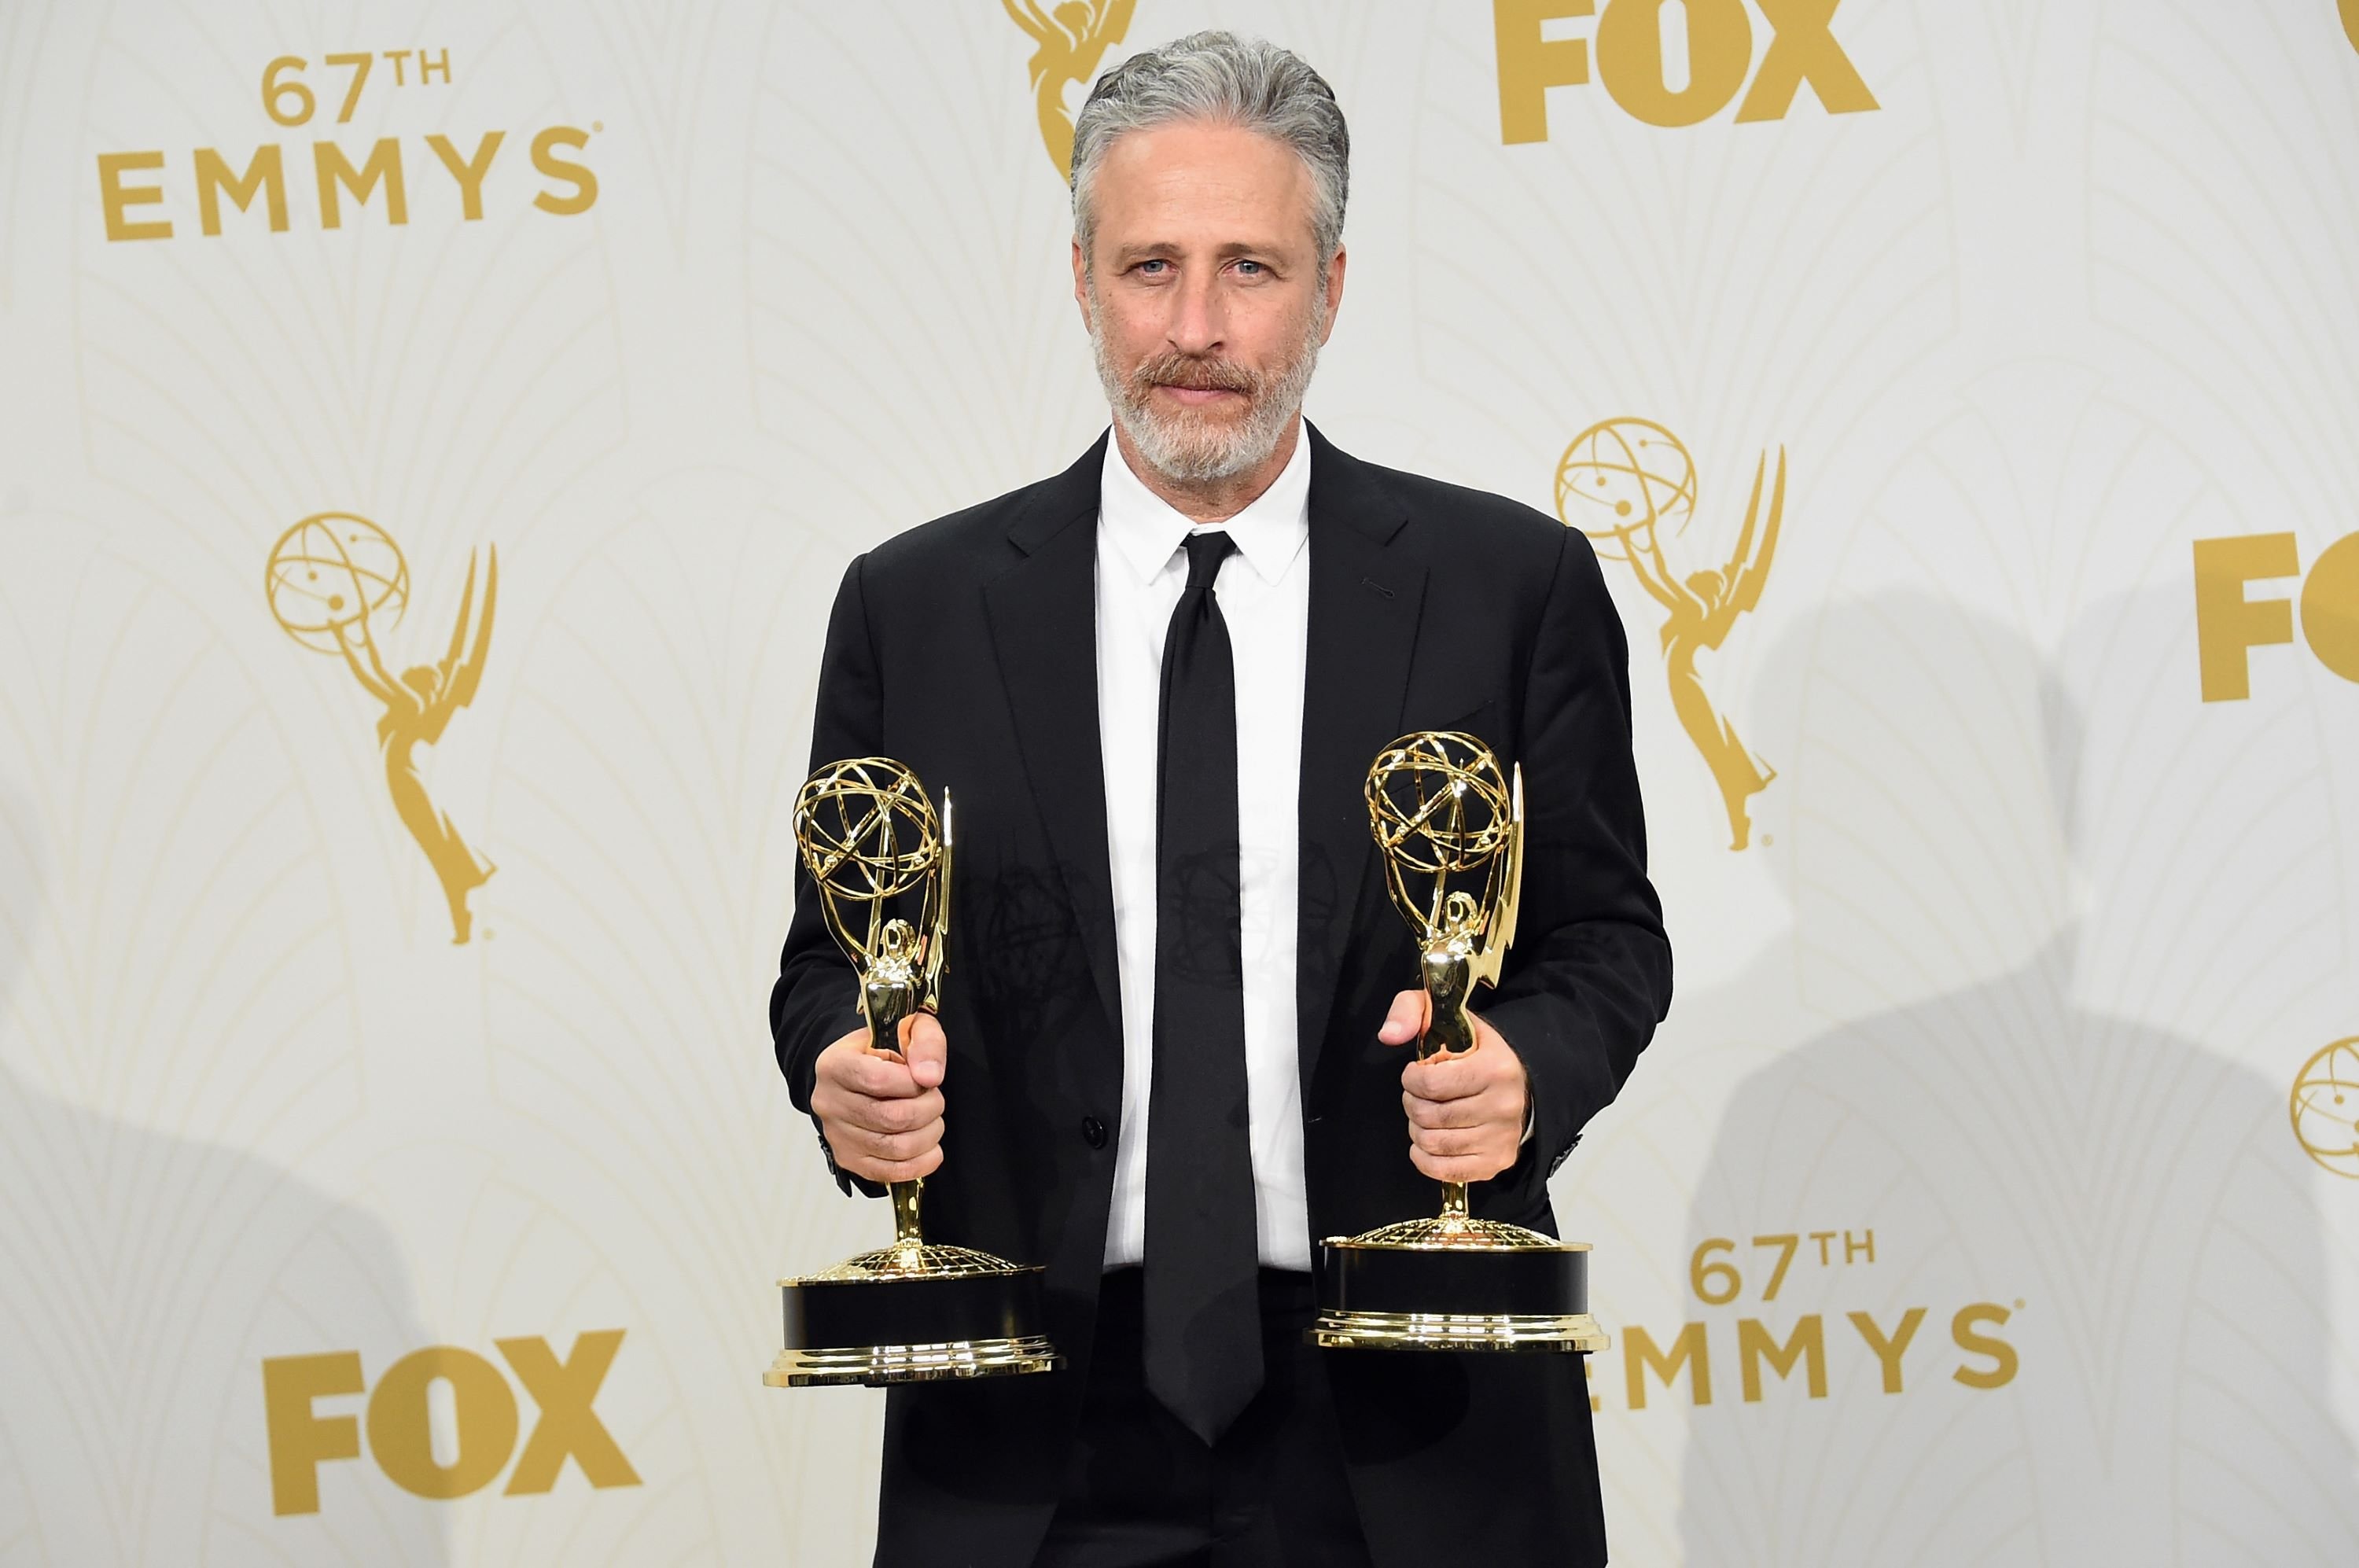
(1987, 888)
(143, 1279)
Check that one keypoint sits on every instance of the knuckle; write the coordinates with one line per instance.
(917, 1164)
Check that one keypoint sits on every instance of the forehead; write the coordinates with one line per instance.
(1203, 180)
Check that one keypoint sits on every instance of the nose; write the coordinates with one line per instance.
(1198, 319)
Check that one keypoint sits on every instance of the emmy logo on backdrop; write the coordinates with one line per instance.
(335, 581)
(1628, 483)
(1072, 41)
(916, 1311)
(2326, 1107)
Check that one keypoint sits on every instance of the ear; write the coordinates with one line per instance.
(1334, 294)
(1082, 284)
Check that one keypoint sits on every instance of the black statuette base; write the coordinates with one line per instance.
(917, 1328)
(1377, 1296)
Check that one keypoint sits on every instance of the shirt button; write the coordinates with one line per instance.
(1093, 1132)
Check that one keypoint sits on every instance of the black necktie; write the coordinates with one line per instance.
(1202, 1304)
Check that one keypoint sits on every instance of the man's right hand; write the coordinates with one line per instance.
(882, 1116)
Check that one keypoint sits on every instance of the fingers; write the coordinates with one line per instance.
(880, 1121)
(1467, 1169)
(861, 1071)
(1455, 1143)
(1465, 1111)
(890, 1115)
(883, 1140)
(887, 1170)
(1458, 1077)
(1497, 1105)
(1469, 1140)
(926, 1048)
(1406, 1021)
(886, 1156)
(893, 1119)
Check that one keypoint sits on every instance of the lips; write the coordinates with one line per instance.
(1199, 396)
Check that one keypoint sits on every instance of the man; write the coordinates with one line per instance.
(1169, 1051)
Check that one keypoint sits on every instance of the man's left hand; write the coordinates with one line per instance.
(1465, 1110)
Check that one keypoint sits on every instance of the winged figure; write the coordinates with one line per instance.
(1071, 43)
(418, 707)
(1704, 608)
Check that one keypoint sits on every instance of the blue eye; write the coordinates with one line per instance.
(1255, 265)
(1144, 266)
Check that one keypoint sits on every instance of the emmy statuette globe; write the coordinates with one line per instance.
(916, 1311)
(1452, 838)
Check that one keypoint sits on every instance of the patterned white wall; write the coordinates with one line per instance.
(2019, 971)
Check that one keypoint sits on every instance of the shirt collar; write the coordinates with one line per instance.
(1146, 531)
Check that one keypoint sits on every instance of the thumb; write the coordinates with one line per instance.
(1407, 1019)
(926, 1048)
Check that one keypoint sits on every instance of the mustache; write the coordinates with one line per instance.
(1196, 373)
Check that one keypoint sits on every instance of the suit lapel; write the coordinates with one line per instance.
(1366, 594)
(1043, 614)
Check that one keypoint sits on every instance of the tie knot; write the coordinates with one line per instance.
(1205, 554)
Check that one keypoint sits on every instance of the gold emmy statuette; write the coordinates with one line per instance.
(1452, 842)
(914, 1311)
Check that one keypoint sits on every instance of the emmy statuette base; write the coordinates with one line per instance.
(912, 1314)
(874, 1366)
(1455, 1283)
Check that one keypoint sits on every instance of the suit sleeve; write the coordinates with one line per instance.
(1590, 973)
(816, 1001)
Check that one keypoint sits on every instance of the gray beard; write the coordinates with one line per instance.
(1184, 446)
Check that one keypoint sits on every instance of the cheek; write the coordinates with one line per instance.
(1128, 315)
(1269, 332)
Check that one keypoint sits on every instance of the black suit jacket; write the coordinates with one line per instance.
(967, 649)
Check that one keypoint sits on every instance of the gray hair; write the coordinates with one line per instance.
(1220, 77)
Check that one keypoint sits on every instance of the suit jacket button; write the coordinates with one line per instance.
(1093, 1132)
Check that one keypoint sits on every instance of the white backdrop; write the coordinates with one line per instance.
(2027, 954)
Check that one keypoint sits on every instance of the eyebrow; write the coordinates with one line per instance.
(1126, 255)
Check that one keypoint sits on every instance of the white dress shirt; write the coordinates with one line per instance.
(1264, 591)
